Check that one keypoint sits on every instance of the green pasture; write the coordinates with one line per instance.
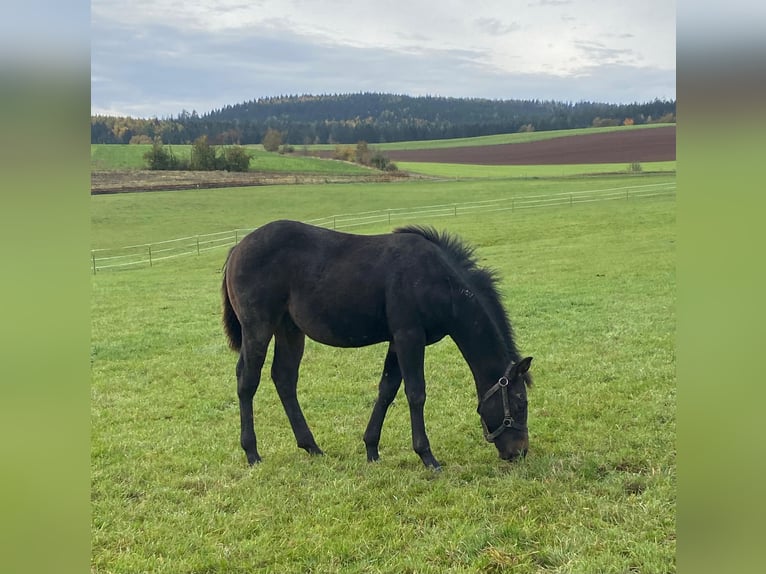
(131, 156)
(590, 290)
(131, 219)
(457, 171)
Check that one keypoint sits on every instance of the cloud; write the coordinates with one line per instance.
(554, 3)
(598, 52)
(158, 57)
(495, 27)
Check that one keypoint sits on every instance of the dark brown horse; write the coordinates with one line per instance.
(411, 287)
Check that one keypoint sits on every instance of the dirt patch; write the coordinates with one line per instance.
(102, 182)
(642, 145)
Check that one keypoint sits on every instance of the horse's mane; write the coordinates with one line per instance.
(483, 281)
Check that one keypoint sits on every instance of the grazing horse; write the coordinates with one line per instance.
(411, 288)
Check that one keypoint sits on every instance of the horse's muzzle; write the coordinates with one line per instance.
(513, 455)
(513, 449)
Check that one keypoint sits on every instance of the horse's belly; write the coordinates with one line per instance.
(342, 337)
(341, 327)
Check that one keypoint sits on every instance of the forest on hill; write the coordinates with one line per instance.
(373, 118)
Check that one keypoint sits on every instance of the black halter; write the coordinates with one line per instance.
(508, 422)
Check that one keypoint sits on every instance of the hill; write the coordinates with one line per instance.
(375, 118)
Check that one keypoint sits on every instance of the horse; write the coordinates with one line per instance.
(410, 288)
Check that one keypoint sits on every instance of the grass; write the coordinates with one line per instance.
(130, 218)
(452, 170)
(590, 291)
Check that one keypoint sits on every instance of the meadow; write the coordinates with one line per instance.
(463, 171)
(590, 291)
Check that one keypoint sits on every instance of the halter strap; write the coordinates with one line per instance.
(502, 386)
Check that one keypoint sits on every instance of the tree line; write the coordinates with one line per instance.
(373, 118)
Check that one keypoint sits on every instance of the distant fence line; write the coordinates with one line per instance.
(151, 253)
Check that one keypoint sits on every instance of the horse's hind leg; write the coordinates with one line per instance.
(251, 358)
(288, 352)
(390, 381)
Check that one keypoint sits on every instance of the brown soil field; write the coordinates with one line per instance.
(642, 145)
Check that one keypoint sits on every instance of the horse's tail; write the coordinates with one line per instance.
(231, 325)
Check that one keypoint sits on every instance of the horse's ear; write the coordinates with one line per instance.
(523, 365)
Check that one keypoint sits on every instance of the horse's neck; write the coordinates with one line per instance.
(480, 341)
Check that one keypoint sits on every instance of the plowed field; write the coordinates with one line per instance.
(642, 145)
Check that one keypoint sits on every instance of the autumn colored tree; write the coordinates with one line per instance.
(272, 140)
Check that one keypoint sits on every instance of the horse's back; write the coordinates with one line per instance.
(339, 288)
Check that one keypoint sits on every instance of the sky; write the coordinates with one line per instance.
(157, 58)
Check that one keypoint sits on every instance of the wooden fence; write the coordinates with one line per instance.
(150, 254)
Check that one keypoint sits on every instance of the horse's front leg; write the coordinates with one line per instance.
(390, 381)
(410, 347)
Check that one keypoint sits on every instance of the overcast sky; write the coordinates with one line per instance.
(158, 57)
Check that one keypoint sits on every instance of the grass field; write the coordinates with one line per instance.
(129, 218)
(458, 171)
(590, 290)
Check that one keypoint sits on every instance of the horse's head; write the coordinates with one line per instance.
(503, 411)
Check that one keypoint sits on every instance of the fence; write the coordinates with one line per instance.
(152, 253)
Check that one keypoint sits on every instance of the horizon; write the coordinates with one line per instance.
(260, 99)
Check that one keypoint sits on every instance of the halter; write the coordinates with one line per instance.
(508, 422)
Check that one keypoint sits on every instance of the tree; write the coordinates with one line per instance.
(236, 158)
(272, 140)
(160, 158)
(202, 155)
(363, 153)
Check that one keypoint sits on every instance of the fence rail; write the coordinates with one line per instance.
(148, 254)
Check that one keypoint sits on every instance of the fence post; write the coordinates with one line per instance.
(150, 254)
(333, 222)
(198, 245)
(389, 217)
(93, 257)
(455, 206)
